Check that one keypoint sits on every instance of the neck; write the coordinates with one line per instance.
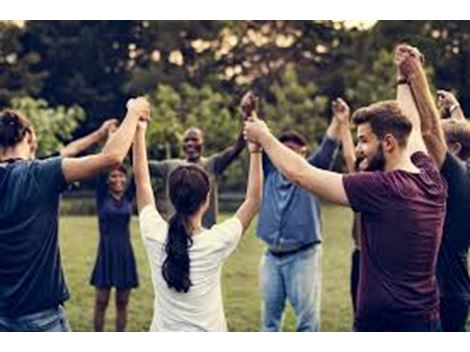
(195, 223)
(117, 195)
(14, 153)
(400, 161)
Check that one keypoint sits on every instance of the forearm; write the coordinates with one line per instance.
(76, 147)
(457, 113)
(141, 170)
(225, 158)
(254, 188)
(119, 143)
(349, 153)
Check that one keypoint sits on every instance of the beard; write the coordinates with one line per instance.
(377, 162)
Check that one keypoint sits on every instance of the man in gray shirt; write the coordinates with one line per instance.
(193, 143)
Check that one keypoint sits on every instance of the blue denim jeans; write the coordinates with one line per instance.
(296, 278)
(50, 320)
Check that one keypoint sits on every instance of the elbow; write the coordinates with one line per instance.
(113, 160)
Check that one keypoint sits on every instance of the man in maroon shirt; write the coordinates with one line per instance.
(402, 200)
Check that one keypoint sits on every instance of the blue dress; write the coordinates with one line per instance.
(115, 263)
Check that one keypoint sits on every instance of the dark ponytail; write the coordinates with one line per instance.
(13, 128)
(189, 186)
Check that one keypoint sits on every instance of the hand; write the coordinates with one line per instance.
(142, 125)
(108, 127)
(140, 106)
(407, 60)
(341, 112)
(254, 148)
(254, 129)
(248, 105)
(446, 100)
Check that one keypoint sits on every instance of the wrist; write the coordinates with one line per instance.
(454, 107)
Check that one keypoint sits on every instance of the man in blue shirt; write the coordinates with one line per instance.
(289, 223)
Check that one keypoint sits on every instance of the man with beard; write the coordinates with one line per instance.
(193, 144)
(448, 142)
(401, 198)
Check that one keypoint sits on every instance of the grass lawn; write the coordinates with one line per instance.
(79, 240)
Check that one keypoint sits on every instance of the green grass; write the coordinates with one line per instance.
(79, 239)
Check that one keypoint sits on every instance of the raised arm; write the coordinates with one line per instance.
(78, 146)
(406, 100)
(342, 114)
(223, 159)
(115, 149)
(431, 128)
(254, 190)
(326, 184)
(141, 169)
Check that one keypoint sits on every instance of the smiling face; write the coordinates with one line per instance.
(117, 180)
(193, 142)
(369, 149)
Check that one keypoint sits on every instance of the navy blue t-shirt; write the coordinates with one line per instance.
(31, 276)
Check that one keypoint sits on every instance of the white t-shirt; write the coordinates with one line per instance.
(201, 308)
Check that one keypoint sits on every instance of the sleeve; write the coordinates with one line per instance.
(219, 162)
(267, 165)
(152, 226)
(367, 191)
(227, 236)
(157, 168)
(49, 176)
(323, 157)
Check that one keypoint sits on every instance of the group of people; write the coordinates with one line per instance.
(407, 181)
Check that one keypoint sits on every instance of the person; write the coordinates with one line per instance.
(185, 257)
(214, 165)
(341, 112)
(290, 225)
(32, 284)
(401, 199)
(115, 264)
(448, 142)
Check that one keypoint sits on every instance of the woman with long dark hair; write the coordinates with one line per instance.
(32, 284)
(185, 258)
(115, 262)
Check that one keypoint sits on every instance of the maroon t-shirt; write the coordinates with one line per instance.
(402, 221)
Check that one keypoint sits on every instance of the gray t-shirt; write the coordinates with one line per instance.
(213, 165)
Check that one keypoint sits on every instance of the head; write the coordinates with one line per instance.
(457, 134)
(193, 143)
(189, 192)
(17, 136)
(294, 141)
(117, 180)
(382, 131)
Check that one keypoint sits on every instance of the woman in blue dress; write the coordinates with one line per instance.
(115, 262)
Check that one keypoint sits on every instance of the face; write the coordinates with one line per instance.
(117, 181)
(299, 149)
(192, 144)
(369, 149)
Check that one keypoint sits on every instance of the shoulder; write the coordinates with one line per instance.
(152, 226)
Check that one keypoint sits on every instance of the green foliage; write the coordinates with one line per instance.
(53, 126)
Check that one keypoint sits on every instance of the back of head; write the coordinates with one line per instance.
(385, 117)
(188, 189)
(458, 131)
(13, 128)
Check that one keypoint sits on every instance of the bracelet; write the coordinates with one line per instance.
(454, 107)
(256, 152)
(402, 80)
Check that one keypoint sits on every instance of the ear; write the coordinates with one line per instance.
(389, 143)
(455, 148)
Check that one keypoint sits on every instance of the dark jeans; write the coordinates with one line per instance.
(453, 314)
(398, 325)
(50, 320)
(354, 277)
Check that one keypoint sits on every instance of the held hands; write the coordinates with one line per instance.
(446, 100)
(108, 127)
(341, 112)
(139, 106)
(408, 60)
(249, 105)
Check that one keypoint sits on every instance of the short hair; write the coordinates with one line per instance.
(385, 117)
(292, 136)
(458, 131)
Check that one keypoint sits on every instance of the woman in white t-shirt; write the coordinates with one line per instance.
(185, 258)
